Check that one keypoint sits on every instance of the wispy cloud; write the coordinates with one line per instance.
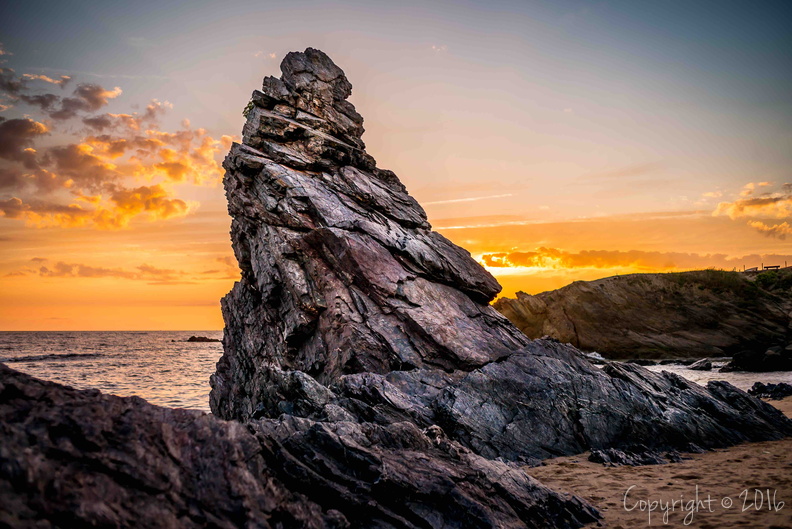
(62, 81)
(99, 75)
(629, 171)
(470, 199)
(143, 272)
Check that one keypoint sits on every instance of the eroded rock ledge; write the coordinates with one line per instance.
(351, 309)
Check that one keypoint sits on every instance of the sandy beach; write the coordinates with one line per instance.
(746, 486)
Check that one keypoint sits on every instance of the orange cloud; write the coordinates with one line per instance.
(153, 201)
(150, 202)
(229, 268)
(774, 206)
(749, 188)
(556, 259)
(779, 231)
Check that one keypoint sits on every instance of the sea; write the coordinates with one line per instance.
(167, 370)
(159, 366)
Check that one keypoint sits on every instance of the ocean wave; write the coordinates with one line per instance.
(48, 357)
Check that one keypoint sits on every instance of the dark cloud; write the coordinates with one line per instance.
(10, 83)
(16, 208)
(101, 122)
(87, 97)
(11, 178)
(76, 162)
(131, 122)
(16, 138)
(44, 101)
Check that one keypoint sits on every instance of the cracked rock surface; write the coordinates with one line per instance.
(350, 308)
(71, 458)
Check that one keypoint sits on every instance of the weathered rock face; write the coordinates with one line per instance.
(72, 458)
(683, 315)
(341, 272)
(351, 309)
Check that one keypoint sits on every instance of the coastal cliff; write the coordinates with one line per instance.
(677, 315)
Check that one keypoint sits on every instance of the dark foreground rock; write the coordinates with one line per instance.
(72, 458)
(778, 391)
(706, 313)
(351, 309)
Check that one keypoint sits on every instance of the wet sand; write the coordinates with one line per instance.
(736, 480)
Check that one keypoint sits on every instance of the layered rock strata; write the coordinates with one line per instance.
(350, 309)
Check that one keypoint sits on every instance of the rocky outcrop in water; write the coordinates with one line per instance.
(706, 313)
(350, 309)
(72, 458)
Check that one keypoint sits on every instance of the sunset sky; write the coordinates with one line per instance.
(556, 141)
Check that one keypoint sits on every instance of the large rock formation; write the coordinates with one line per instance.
(351, 309)
(680, 315)
(72, 458)
(341, 272)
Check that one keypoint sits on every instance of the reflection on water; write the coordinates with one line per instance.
(160, 366)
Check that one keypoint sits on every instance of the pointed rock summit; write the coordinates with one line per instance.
(341, 272)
